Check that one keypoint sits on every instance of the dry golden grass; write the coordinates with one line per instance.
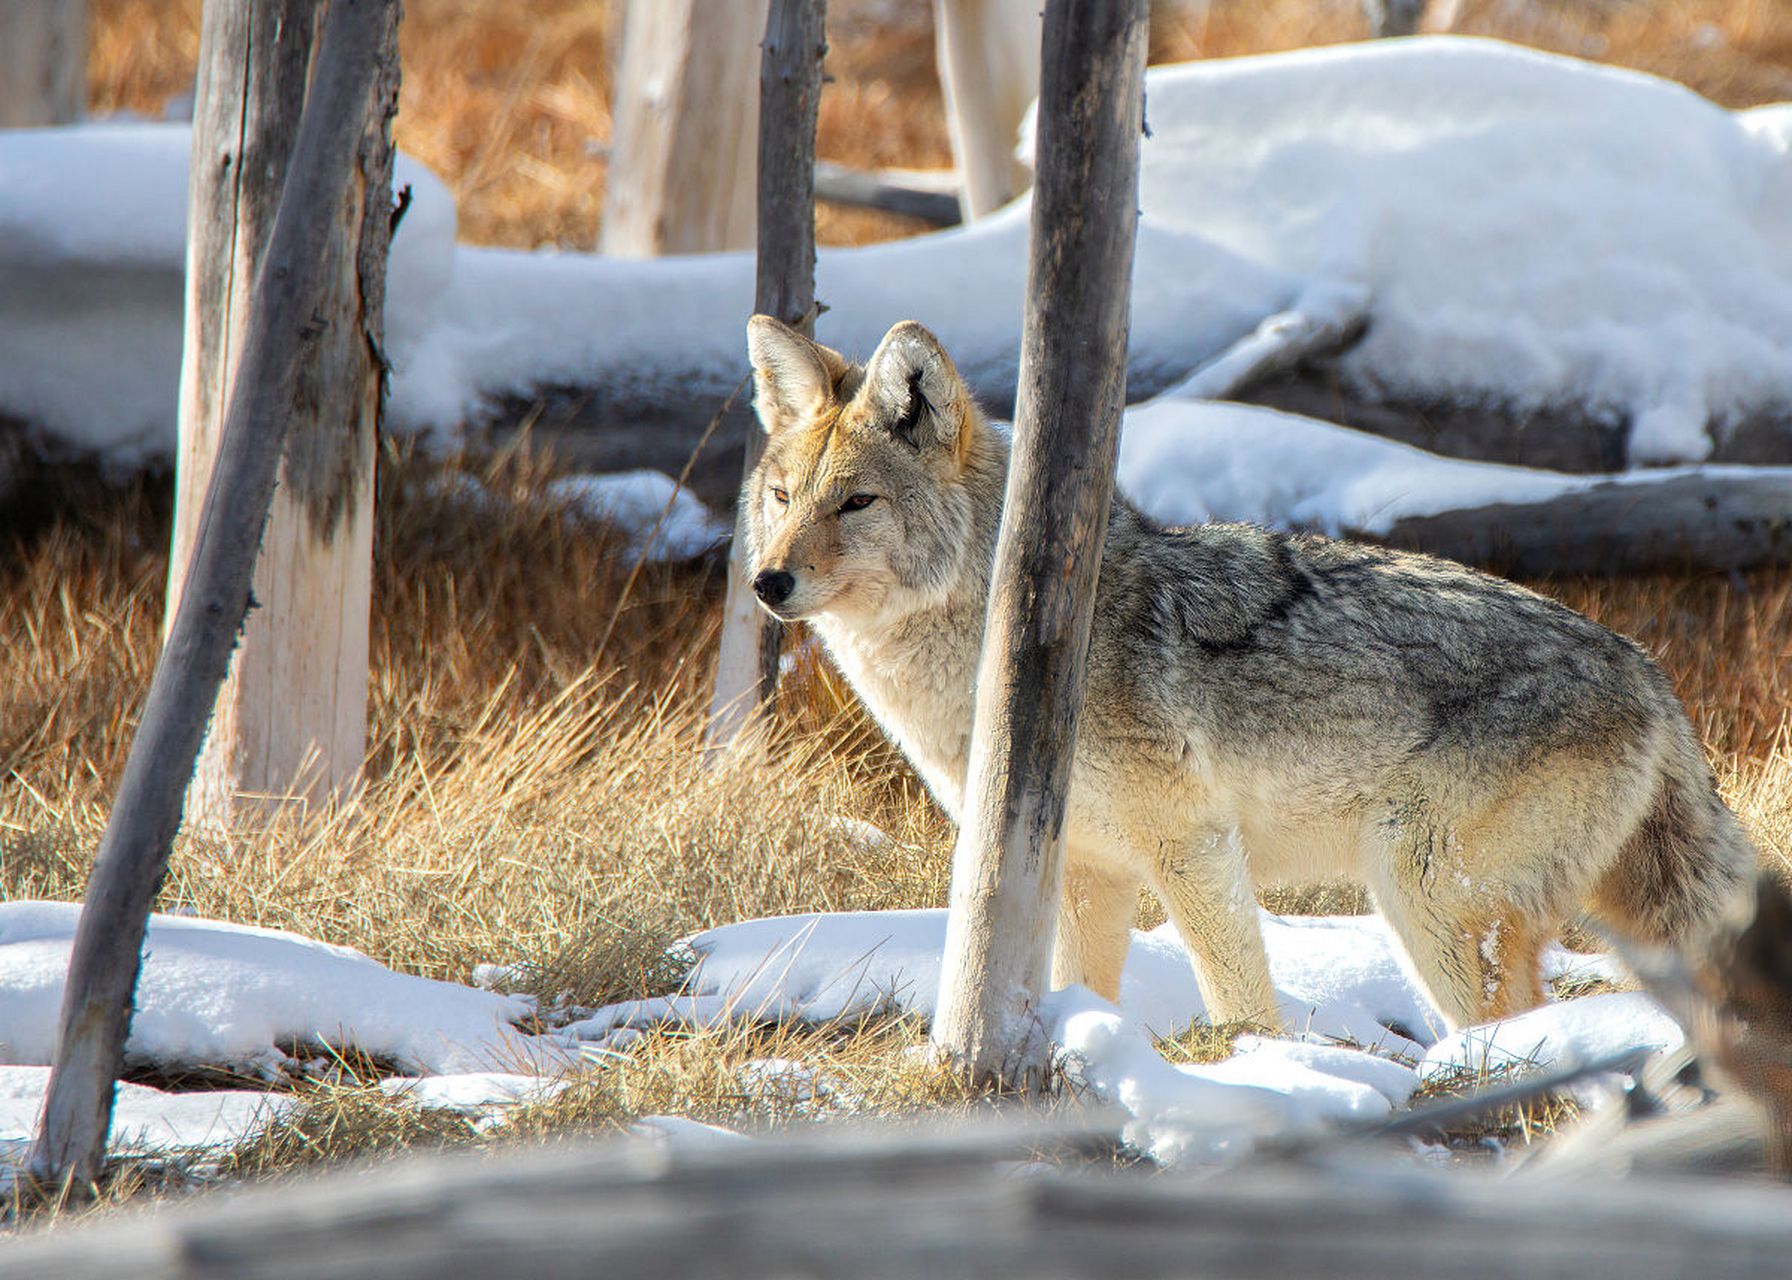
(528, 801)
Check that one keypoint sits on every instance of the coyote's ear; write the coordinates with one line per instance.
(792, 376)
(914, 391)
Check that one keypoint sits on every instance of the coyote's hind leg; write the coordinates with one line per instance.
(1476, 948)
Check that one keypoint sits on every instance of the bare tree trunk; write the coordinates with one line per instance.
(352, 83)
(43, 61)
(789, 100)
(1007, 868)
(680, 176)
(292, 719)
(1393, 17)
(988, 56)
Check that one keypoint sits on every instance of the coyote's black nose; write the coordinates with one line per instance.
(773, 586)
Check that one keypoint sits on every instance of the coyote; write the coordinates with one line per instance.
(1261, 708)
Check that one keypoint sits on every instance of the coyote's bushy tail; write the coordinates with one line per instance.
(1688, 866)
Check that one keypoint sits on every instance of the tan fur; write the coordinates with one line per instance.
(1261, 708)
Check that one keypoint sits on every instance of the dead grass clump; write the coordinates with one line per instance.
(758, 1078)
(1521, 1123)
(1203, 1044)
(332, 1124)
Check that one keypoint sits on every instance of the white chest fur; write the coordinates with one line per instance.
(918, 677)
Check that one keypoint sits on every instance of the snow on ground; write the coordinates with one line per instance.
(236, 996)
(1573, 1032)
(483, 1095)
(144, 1119)
(1185, 1112)
(1340, 978)
(662, 519)
(217, 994)
(1527, 230)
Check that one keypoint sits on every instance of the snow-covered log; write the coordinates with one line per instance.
(1186, 461)
(927, 1206)
(1591, 339)
(1736, 521)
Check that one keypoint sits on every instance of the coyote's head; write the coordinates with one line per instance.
(861, 507)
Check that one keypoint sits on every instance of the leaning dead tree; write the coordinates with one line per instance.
(292, 718)
(680, 172)
(784, 287)
(349, 96)
(1007, 869)
(43, 61)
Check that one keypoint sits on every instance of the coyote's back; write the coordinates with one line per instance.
(1261, 707)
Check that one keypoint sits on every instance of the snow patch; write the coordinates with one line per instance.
(1567, 1033)
(666, 521)
(219, 994)
(143, 1119)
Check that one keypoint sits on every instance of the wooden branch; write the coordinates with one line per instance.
(926, 1207)
(281, 334)
(680, 173)
(1323, 326)
(789, 103)
(988, 57)
(1728, 519)
(291, 720)
(43, 62)
(1007, 869)
(897, 191)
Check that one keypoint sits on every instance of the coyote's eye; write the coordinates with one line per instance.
(858, 502)
(780, 496)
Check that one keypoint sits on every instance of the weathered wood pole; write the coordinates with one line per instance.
(1007, 869)
(784, 286)
(291, 722)
(988, 57)
(680, 173)
(43, 61)
(278, 344)
(1393, 17)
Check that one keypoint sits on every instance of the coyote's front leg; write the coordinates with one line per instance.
(1206, 890)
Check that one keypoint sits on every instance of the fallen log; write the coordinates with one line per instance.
(930, 1206)
(907, 193)
(1720, 520)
